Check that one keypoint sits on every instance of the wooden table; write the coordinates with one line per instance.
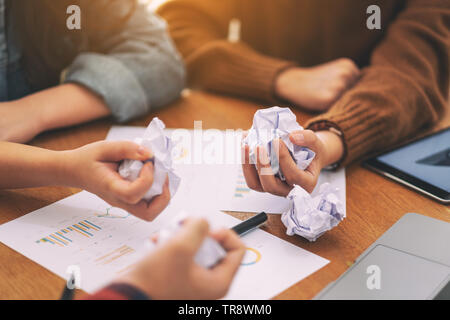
(373, 203)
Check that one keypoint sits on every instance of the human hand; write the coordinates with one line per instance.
(170, 272)
(19, 122)
(327, 146)
(317, 88)
(94, 168)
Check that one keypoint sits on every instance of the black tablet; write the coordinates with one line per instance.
(423, 165)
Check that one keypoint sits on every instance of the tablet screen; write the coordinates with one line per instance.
(427, 159)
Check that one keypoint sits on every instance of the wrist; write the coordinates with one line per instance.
(32, 115)
(65, 169)
(334, 147)
(282, 82)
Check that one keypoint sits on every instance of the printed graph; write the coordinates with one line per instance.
(63, 237)
(252, 256)
(241, 189)
(180, 154)
(113, 213)
(114, 255)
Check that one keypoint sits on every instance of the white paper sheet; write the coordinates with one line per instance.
(245, 200)
(220, 186)
(104, 242)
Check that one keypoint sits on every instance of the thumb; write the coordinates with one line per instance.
(305, 138)
(192, 234)
(114, 151)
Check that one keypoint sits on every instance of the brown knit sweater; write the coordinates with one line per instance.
(405, 80)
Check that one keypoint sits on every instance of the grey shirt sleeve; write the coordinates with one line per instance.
(140, 71)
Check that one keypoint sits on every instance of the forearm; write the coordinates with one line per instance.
(23, 166)
(236, 69)
(64, 105)
(139, 70)
(403, 90)
(199, 29)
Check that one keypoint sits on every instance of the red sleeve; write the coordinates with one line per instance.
(117, 291)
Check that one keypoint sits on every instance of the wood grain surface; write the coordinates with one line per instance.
(373, 203)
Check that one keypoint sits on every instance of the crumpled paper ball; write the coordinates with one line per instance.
(154, 139)
(309, 216)
(276, 123)
(208, 255)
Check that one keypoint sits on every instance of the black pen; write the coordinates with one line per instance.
(250, 224)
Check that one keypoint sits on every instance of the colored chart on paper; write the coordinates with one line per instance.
(113, 213)
(241, 189)
(252, 256)
(63, 237)
(123, 240)
(120, 244)
(83, 231)
(114, 255)
(242, 199)
(179, 153)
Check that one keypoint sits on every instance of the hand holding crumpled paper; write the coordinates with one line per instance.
(154, 139)
(309, 216)
(276, 123)
(210, 252)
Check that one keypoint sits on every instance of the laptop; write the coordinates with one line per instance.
(409, 261)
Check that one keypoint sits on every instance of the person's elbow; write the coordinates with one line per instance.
(165, 82)
(177, 80)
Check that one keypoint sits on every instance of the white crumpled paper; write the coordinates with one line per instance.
(276, 123)
(208, 255)
(309, 216)
(154, 139)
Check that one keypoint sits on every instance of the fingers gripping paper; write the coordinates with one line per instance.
(161, 146)
(276, 123)
(309, 216)
(210, 252)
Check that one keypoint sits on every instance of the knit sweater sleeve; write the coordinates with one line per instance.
(214, 63)
(405, 87)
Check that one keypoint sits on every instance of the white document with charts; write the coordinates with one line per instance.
(212, 158)
(84, 232)
(102, 242)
